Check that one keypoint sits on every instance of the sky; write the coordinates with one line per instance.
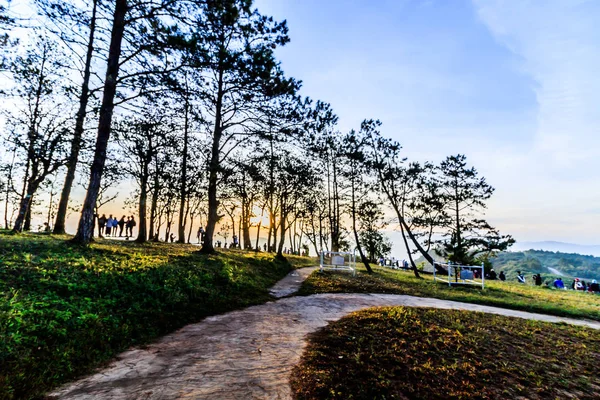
(512, 84)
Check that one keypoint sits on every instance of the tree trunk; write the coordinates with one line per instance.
(169, 224)
(335, 233)
(183, 193)
(292, 241)
(258, 233)
(23, 220)
(246, 227)
(189, 236)
(412, 262)
(23, 209)
(84, 230)
(282, 235)
(269, 236)
(142, 230)
(61, 213)
(213, 167)
(153, 208)
(240, 233)
(50, 201)
(233, 228)
(358, 246)
(9, 181)
(27, 223)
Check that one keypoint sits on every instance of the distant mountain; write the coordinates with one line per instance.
(558, 246)
(543, 257)
(548, 263)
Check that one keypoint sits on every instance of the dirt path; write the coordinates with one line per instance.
(246, 354)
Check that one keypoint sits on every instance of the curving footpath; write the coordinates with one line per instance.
(245, 354)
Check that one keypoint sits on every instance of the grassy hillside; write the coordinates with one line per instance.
(65, 310)
(539, 261)
(413, 353)
(509, 294)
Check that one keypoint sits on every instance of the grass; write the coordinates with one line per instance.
(421, 353)
(565, 303)
(65, 310)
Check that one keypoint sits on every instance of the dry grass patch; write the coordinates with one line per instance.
(420, 353)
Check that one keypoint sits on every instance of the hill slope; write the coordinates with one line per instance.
(548, 262)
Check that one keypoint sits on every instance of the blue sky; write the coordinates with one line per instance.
(511, 84)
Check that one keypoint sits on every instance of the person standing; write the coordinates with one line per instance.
(132, 224)
(127, 228)
(200, 235)
(101, 224)
(121, 224)
(108, 228)
(110, 223)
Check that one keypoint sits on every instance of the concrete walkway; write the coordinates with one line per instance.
(291, 283)
(245, 354)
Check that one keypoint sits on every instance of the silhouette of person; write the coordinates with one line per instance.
(121, 224)
(133, 224)
(101, 224)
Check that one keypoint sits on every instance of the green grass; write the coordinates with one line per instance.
(515, 296)
(65, 310)
(420, 353)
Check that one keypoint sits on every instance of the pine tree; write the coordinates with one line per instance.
(241, 75)
(466, 234)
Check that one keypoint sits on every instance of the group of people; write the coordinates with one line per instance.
(558, 283)
(579, 284)
(537, 278)
(201, 235)
(492, 275)
(393, 263)
(108, 226)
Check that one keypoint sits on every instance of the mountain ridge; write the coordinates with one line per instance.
(556, 246)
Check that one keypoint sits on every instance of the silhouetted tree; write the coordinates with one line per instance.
(39, 125)
(241, 75)
(465, 194)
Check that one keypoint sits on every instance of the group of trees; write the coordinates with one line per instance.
(186, 101)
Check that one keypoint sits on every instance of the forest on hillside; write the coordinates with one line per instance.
(540, 261)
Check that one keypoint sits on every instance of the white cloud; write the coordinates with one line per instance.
(558, 43)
